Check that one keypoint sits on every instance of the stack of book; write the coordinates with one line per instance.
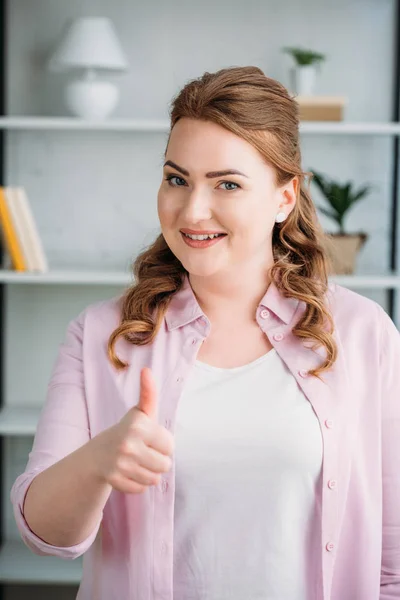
(20, 236)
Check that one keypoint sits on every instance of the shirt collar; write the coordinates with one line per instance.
(184, 307)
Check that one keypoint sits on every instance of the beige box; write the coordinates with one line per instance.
(321, 108)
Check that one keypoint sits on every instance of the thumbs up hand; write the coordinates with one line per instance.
(132, 454)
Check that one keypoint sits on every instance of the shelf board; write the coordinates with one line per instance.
(386, 282)
(349, 128)
(68, 276)
(19, 420)
(18, 564)
(120, 278)
(75, 123)
(162, 125)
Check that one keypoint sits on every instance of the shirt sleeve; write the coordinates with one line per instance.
(390, 398)
(63, 427)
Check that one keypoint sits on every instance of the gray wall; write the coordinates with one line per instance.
(94, 193)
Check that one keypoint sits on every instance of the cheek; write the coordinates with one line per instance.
(254, 225)
(165, 209)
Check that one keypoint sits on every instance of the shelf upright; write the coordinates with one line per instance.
(3, 75)
(394, 263)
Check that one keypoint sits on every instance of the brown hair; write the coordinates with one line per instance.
(261, 111)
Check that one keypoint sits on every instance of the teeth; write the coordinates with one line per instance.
(202, 237)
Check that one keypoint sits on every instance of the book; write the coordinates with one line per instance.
(12, 244)
(20, 234)
(34, 240)
(19, 226)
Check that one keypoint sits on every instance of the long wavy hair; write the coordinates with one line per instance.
(261, 111)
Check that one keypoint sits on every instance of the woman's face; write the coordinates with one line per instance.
(242, 206)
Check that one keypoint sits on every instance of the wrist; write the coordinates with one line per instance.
(91, 455)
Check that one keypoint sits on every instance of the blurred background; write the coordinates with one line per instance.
(84, 100)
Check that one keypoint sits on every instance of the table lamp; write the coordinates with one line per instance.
(90, 44)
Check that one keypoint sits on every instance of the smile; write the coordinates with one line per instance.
(202, 243)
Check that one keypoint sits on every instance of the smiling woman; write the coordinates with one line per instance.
(279, 483)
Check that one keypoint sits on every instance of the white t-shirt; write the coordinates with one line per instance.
(248, 456)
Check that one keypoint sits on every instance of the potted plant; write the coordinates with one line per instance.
(342, 247)
(304, 73)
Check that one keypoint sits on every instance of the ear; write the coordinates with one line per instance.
(288, 195)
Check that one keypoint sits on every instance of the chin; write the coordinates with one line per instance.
(201, 265)
(199, 269)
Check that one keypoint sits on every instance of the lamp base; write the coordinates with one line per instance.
(91, 98)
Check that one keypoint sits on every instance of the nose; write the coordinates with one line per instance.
(197, 207)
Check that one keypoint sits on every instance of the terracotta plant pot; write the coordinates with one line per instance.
(342, 251)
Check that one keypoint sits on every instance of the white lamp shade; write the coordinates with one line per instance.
(89, 42)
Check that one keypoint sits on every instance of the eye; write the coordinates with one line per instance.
(170, 177)
(231, 183)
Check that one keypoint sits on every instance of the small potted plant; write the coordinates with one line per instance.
(304, 74)
(342, 247)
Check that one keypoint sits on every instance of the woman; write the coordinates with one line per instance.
(258, 457)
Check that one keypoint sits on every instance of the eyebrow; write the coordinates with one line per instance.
(209, 175)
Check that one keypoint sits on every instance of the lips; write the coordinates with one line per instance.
(201, 243)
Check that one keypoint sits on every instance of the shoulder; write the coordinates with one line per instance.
(100, 317)
(362, 323)
(354, 313)
(348, 306)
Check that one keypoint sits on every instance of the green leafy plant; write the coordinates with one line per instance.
(303, 57)
(341, 197)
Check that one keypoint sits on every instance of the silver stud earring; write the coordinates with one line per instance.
(280, 217)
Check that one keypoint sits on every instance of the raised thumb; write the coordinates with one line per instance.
(148, 394)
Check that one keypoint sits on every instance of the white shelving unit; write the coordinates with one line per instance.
(17, 562)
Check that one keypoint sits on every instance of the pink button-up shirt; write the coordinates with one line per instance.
(129, 554)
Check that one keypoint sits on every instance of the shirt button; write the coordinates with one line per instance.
(332, 484)
(179, 379)
(164, 485)
(194, 341)
(329, 423)
(163, 547)
(303, 373)
(278, 337)
(330, 546)
(264, 314)
(167, 423)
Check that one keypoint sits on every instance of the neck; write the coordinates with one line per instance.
(222, 294)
